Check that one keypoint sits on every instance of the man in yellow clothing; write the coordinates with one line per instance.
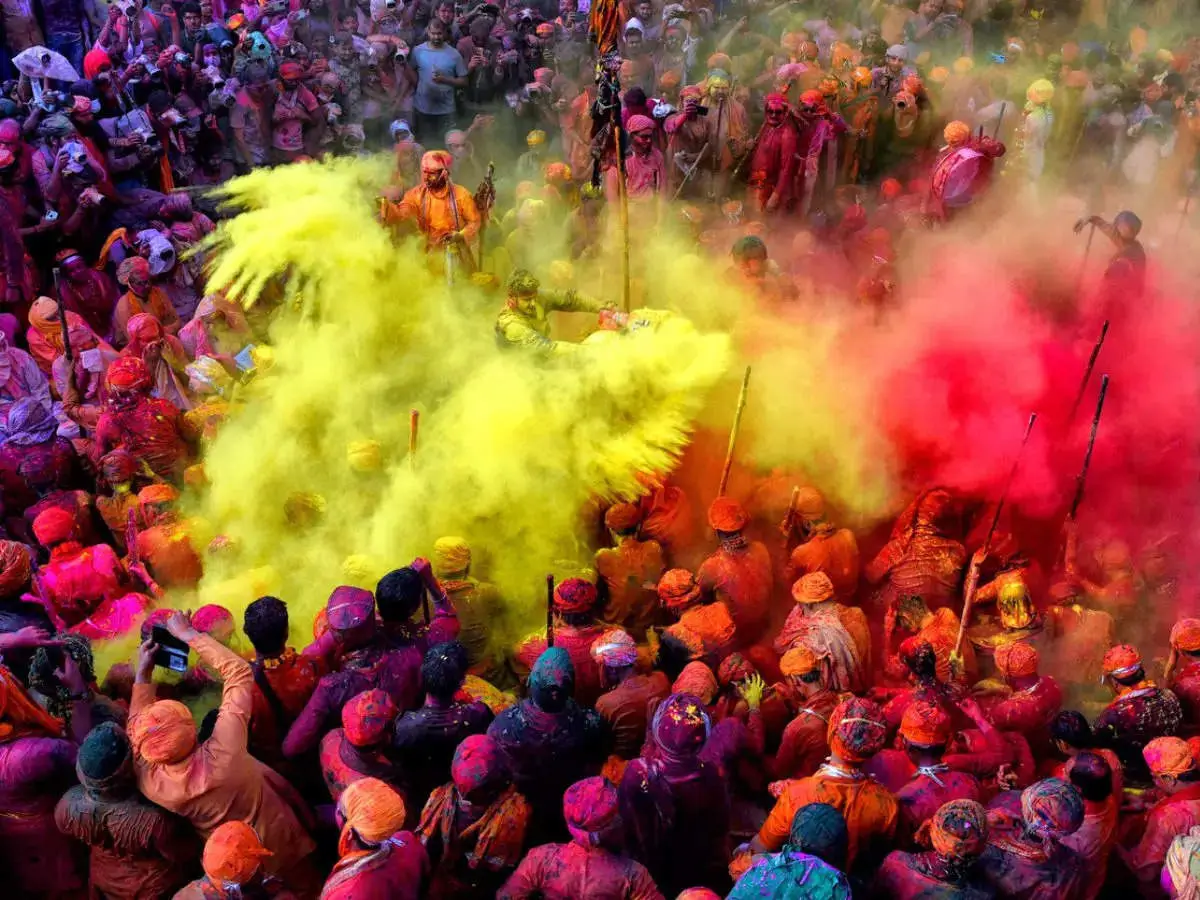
(525, 321)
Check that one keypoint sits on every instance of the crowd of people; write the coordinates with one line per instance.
(719, 704)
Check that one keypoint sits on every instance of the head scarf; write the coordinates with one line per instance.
(134, 265)
(959, 829)
(29, 423)
(800, 660)
(574, 596)
(372, 811)
(142, 329)
(819, 830)
(622, 517)
(726, 515)
(163, 733)
(680, 726)
(451, 556)
(614, 649)
(1122, 660)
(19, 715)
(590, 808)
(956, 132)
(1183, 865)
(366, 718)
(232, 854)
(925, 724)
(856, 730)
(1041, 91)
(552, 679)
(815, 587)
(435, 160)
(478, 763)
(212, 615)
(349, 608)
(776, 102)
(127, 374)
(1016, 660)
(94, 62)
(15, 568)
(291, 70)
(734, 668)
(678, 590)
(1052, 809)
(1168, 756)
(698, 679)
(53, 526)
(1185, 635)
(638, 124)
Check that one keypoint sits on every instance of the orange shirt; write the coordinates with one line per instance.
(871, 812)
(130, 305)
(743, 580)
(835, 554)
(435, 216)
(630, 571)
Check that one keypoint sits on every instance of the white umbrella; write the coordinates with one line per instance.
(38, 62)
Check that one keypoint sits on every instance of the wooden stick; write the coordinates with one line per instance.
(1087, 373)
(414, 424)
(623, 210)
(1081, 478)
(1083, 263)
(733, 433)
(549, 610)
(790, 518)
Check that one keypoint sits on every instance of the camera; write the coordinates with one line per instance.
(390, 4)
(901, 104)
(702, 110)
(184, 59)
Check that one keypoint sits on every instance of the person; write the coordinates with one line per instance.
(234, 863)
(357, 749)
(1036, 128)
(548, 739)
(629, 572)
(627, 696)
(1025, 857)
(888, 80)
(474, 828)
(424, 739)
(151, 430)
(77, 581)
(163, 354)
(739, 573)
(856, 733)
(440, 71)
(85, 291)
(135, 848)
(44, 335)
(808, 866)
(575, 631)
(1173, 767)
(474, 601)
(823, 546)
(284, 680)
(162, 546)
(34, 460)
(921, 559)
(215, 781)
(1140, 712)
(804, 744)
(834, 632)
(525, 322)
(444, 212)
(645, 168)
(141, 296)
(401, 593)
(958, 834)
(675, 800)
(773, 160)
(1182, 672)
(1032, 701)
(291, 113)
(1093, 777)
(591, 864)
(939, 630)
(704, 621)
(1124, 279)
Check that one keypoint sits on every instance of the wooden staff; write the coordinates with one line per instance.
(973, 577)
(1081, 478)
(414, 424)
(1000, 120)
(789, 520)
(63, 327)
(549, 611)
(623, 208)
(1083, 263)
(1087, 373)
(733, 433)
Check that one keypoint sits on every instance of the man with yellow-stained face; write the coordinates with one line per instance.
(525, 321)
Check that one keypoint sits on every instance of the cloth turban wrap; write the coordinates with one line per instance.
(812, 98)
(552, 678)
(53, 526)
(800, 660)
(622, 517)
(94, 62)
(681, 725)
(1185, 635)
(233, 854)
(163, 733)
(959, 829)
(696, 678)
(29, 422)
(590, 808)
(856, 730)
(1041, 91)
(1168, 756)
(157, 494)
(726, 515)
(776, 102)
(435, 160)
(899, 51)
(127, 374)
(614, 649)
(1052, 808)
(349, 607)
(210, 617)
(810, 504)
(15, 568)
(925, 724)
(478, 763)
(177, 206)
(815, 587)
(372, 810)
(451, 555)
(535, 138)
(574, 595)
(638, 124)
(735, 667)
(819, 829)
(134, 266)
(365, 719)
(1016, 660)
(677, 589)
(691, 92)
(956, 132)
(1122, 660)
(291, 71)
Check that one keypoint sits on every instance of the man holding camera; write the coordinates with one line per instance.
(440, 70)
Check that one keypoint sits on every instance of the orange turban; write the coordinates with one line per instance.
(53, 526)
(435, 160)
(233, 854)
(925, 723)
(698, 679)
(1016, 660)
(1185, 635)
(956, 132)
(128, 373)
(856, 730)
(15, 568)
(809, 505)
(622, 517)
(677, 589)
(959, 830)
(1168, 756)
(373, 812)
(815, 587)
(19, 715)
(163, 733)
(153, 494)
(800, 660)
(1122, 660)
(726, 515)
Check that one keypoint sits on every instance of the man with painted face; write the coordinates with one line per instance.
(820, 130)
(525, 321)
(645, 169)
(888, 79)
(445, 213)
(773, 164)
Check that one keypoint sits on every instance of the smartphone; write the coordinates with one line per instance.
(172, 653)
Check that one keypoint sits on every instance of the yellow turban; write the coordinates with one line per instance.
(451, 556)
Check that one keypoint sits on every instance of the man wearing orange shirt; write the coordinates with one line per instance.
(824, 547)
(629, 572)
(445, 213)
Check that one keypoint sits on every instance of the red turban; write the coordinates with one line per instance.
(622, 517)
(210, 616)
(1122, 660)
(856, 730)
(127, 374)
(94, 62)
(478, 763)
(1168, 756)
(118, 467)
(134, 265)
(1016, 660)
(726, 515)
(233, 854)
(680, 726)
(349, 607)
(638, 124)
(372, 810)
(291, 71)
(1185, 635)
(696, 678)
(53, 526)
(574, 595)
(15, 568)
(699, 894)
(925, 724)
(776, 101)
(1052, 808)
(590, 808)
(163, 733)
(735, 667)
(677, 589)
(366, 718)
(812, 98)
(959, 829)
(890, 188)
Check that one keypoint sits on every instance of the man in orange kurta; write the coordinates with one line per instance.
(739, 573)
(824, 548)
(445, 213)
(164, 547)
(629, 572)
